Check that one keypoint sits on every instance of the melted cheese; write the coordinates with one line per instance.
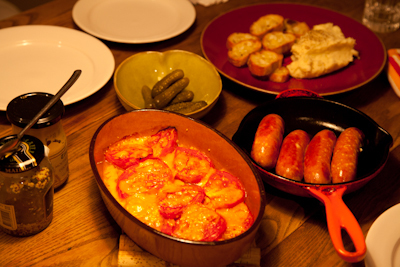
(145, 206)
(110, 177)
(322, 50)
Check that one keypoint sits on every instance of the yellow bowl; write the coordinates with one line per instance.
(146, 68)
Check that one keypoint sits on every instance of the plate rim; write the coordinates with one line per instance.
(107, 69)
(376, 225)
(255, 88)
(76, 16)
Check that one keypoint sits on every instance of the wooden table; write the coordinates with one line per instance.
(293, 231)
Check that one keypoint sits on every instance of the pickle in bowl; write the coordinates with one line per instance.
(156, 80)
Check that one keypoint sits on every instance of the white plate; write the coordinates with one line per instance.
(134, 21)
(383, 240)
(36, 58)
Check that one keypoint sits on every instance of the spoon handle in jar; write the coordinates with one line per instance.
(52, 101)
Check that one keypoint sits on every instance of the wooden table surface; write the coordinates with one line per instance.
(293, 231)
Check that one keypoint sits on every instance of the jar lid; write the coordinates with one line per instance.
(22, 109)
(29, 154)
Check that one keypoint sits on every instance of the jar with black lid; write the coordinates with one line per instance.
(26, 188)
(48, 129)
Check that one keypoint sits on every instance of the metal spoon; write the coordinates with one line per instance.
(12, 144)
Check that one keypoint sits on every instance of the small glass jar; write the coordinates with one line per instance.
(26, 188)
(48, 129)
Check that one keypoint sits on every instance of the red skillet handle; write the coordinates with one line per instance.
(340, 217)
(297, 92)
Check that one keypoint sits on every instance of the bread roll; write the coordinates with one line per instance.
(240, 52)
(280, 75)
(237, 37)
(267, 23)
(264, 62)
(278, 42)
(296, 27)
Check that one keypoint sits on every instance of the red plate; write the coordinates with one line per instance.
(361, 71)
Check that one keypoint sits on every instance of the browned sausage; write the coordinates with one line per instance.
(345, 155)
(291, 157)
(268, 140)
(317, 159)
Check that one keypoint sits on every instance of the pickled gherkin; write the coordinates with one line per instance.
(186, 107)
(166, 82)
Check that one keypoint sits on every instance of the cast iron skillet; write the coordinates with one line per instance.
(313, 114)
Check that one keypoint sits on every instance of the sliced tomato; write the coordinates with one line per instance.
(127, 152)
(144, 208)
(191, 165)
(168, 226)
(146, 176)
(199, 223)
(224, 190)
(163, 142)
(238, 220)
(174, 198)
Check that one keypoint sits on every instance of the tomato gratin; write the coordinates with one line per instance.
(175, 189)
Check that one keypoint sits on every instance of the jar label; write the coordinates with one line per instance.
(29, 154)
(24, 158)
(7, 217)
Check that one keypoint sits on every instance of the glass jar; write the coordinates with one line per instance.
(48, 129)
(26, 188)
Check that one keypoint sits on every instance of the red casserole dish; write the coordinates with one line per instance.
(313, 114)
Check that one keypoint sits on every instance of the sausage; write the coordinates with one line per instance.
(290, 162)
(317, 158)
(345, 155)
(267, 141)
